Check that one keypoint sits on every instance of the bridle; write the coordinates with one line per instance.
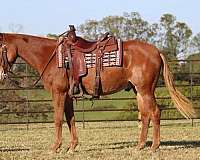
(5, 66)
(4, 63)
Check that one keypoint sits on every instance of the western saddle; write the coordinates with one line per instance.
(76, 47)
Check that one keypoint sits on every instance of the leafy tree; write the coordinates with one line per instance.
(90, 29)
(182, 34)
(128, 26)
(174, 36)
(112, 24)
(15, 28)
(169, 35)
(53, 36)
(137, 28)
(192, 65)
(195, 43)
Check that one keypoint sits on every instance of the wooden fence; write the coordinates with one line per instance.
(22, 104)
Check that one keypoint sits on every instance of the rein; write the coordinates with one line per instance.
(53, 54)
(50, 59)
(6, 65)
(4, 59)
(45, 67)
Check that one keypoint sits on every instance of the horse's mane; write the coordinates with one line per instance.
(26, 35)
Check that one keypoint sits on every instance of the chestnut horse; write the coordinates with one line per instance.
(142, 63)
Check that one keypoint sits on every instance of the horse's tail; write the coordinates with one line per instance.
(181, 102)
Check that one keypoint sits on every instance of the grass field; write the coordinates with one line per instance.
(100, 141)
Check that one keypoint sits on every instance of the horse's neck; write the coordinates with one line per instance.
(35, 51)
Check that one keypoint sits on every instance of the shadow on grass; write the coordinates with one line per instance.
(181, 144)
(122, 145)
(13, 149)
(116, 145)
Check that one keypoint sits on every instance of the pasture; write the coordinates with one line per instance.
(100, 140)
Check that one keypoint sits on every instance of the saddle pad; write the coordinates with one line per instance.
(110, 59)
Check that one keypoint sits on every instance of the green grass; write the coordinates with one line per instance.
(37, 94)
(103, 140)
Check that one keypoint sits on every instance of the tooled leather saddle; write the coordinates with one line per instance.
(78, 54)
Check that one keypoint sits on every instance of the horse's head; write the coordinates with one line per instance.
(8, 54)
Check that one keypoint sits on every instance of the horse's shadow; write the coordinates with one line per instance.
(13, 149)
(163, 145)
(181, 144)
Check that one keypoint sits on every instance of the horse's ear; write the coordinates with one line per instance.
(72, 28)
(72, 34)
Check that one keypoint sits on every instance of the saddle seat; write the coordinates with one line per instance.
(106, 42)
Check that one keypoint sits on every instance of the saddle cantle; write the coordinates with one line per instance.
(81, 54)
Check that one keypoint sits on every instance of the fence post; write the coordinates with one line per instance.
(27, 98)
(83, 115)
(191, 82)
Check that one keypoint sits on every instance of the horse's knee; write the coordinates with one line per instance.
(155, 115)
(58, 123)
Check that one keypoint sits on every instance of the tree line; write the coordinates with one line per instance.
(171, 36)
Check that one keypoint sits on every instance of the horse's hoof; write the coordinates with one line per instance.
(55, 151)
(154, 148)
(70, 151)
(55, 148)
(71, 148)
(139, 124)
(140, 147)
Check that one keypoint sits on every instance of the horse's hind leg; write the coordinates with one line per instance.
(139, 115)
(149, 110)
(70, 118)
(155, 117)
(144, 120)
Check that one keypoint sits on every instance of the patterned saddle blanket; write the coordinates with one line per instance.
(109, 59)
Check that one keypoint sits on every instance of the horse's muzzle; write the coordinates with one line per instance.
(3, 75)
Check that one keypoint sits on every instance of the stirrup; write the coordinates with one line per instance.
(76, 95)
(96, 94)
(75, 90)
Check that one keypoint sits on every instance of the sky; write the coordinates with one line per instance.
(40, 17)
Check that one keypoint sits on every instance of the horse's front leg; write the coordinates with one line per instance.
(70, 118)
(58, 102)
